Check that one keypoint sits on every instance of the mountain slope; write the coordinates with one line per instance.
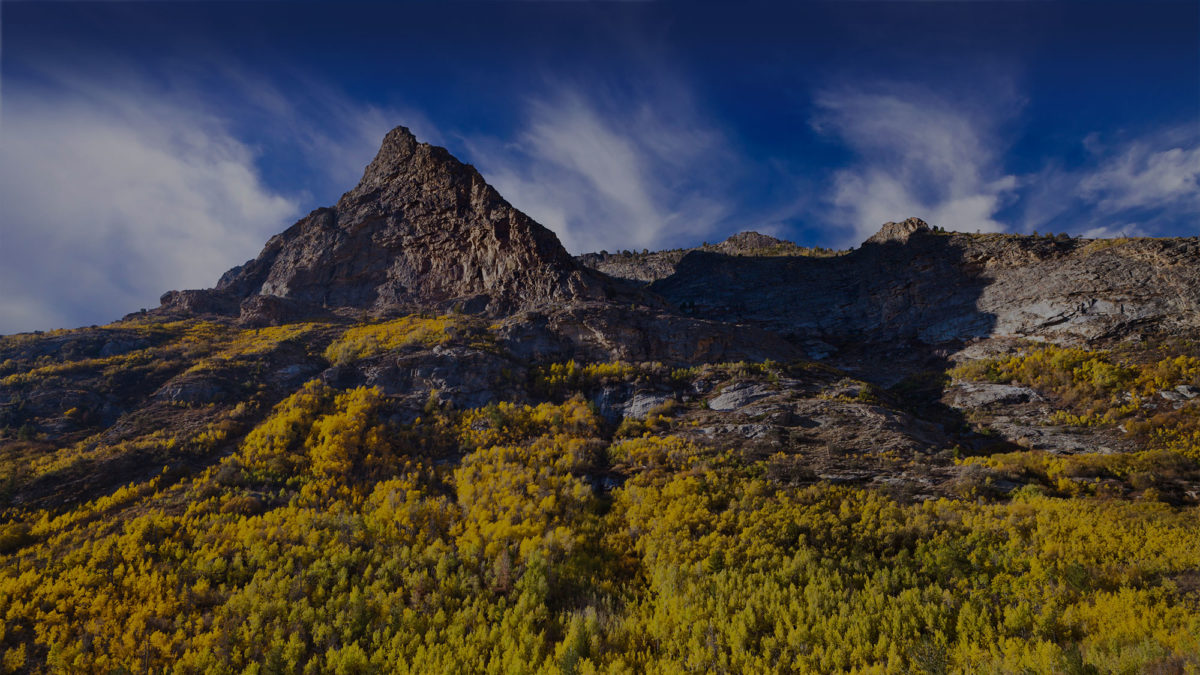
(414, 435)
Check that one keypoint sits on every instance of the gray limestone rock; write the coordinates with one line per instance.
(739, 395)
(642, 402)
(970, 395)
(192, 390)
(898, 232)
(610, 402)
(1173, 395)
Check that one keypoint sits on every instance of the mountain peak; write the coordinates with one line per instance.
(898, 232)
(420, 230)
(402, 156)
(396, 150)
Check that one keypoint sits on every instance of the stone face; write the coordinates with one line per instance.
(192, 390)
(748, 243)
(915, 285)
(611, 332)
(420, 230)
(636, 268)
(1021, 417)
(642, 402)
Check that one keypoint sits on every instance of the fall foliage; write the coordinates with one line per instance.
(330, 535)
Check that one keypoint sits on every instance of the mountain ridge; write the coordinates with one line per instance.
(421, 230)
(940, 287)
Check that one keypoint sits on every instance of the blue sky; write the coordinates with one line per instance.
(146, 146)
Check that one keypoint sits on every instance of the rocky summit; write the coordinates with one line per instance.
(421, 230)
(416, 435)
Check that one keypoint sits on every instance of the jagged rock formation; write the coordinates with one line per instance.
(910, 283)
(636, 267)
(420, 230)
(423, 231)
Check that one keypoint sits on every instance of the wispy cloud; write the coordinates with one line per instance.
(615, 169)
(333, 135)
(1111, 231)
(109, 203)
(121, 187)
(1144, 177)
(1145, 185)
(915, 153)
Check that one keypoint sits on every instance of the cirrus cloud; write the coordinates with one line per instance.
(129, 181)
(916, 153)
(108, 203)
(1146, 185)
(621, 168)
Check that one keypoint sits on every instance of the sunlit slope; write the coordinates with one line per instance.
(200, 497)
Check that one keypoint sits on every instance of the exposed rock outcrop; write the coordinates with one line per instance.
(635, 267)
(611, 332)
(898, 233)
(909, 283)
(421, 230)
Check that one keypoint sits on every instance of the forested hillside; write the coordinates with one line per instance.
(416, 435)
(347, 529)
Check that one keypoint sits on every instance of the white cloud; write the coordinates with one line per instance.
(335, 136)
(110, 202)
(917, 153)
(120, 183)
(615, 171)
(1132, 187)
(1142, 177)
(1112, 231)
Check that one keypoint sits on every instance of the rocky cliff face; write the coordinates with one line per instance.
(420, 230)
(910, 283)
(424, 232)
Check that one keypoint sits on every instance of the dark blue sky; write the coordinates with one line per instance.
(149, 146)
